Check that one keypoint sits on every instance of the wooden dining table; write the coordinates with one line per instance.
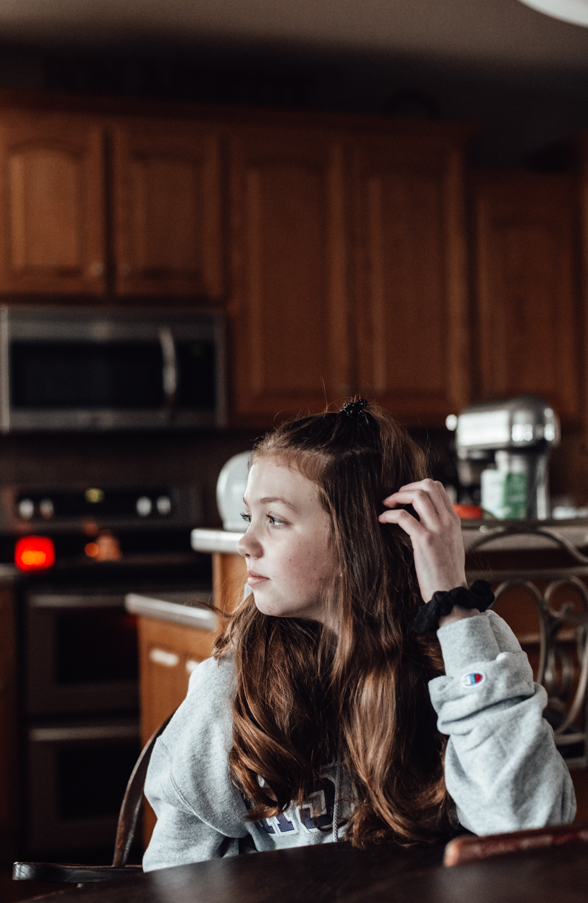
(339, 873)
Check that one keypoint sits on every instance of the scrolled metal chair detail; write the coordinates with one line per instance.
(563, 632)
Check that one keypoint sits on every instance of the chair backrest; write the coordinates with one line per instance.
(563, 631)
(132, 800)
(471, 848)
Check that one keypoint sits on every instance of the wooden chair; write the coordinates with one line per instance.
(125, 834)
(471, 848)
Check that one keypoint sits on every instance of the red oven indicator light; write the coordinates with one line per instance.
(33, 553)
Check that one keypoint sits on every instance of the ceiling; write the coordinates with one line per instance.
(488, 32)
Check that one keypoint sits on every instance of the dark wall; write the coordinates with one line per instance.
(518, 111)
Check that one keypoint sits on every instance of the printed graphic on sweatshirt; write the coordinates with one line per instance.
(315, 814)
(473, 680)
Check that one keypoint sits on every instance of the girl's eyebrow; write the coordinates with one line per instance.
(276, 498)
(268, 499)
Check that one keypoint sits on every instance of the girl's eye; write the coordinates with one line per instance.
(246, 517)
(275, 521)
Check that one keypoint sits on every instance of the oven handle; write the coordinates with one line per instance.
(84, 602)
(170, 369)
(84, 732)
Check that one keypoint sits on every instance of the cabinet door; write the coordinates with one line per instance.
(289, 287)
(167, 210)
(52, 229)
(412, 312)
(526, 288)
(168, 653)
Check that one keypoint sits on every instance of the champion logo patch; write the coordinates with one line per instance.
(473, 680)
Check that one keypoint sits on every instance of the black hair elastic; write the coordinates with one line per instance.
(479, 596)
(355, 410)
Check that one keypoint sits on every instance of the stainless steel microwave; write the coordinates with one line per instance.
(90, 369)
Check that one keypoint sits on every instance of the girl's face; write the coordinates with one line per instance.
(287, 544)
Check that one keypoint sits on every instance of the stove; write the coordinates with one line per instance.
(78, 644)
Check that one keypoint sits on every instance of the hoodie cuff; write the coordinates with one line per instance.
(466, 641)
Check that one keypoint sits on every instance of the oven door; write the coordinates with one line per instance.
(77, 775)
(81, 653)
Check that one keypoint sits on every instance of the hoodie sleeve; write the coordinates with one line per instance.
(200, 813)
(502, 768)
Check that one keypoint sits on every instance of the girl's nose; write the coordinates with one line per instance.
(248, 546)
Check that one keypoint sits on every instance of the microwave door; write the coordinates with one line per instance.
(64, 384)
(169, 370)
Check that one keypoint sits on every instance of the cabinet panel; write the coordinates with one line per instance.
(412, 317)
(51, 205)
(289, 273)
(526, 287)
(167, 205)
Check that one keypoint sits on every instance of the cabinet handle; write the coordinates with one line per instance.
(161, 657)
(191, 665)
(96, 269)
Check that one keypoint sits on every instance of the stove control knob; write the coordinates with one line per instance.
(26, 508)
(163, 504)
(144, 506)
(46, 508)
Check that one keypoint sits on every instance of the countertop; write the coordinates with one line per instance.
(175, 608)
(574, 531)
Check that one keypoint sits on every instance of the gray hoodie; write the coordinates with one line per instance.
(502, 768)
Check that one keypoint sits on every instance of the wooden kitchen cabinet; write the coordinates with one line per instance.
(168, 653)
(96, 206)
(526, 288)
(52, 213)
(289, 300)
(411, 305)
(349, 270)
(167, 210)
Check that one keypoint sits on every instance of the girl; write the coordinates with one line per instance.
(336, 704)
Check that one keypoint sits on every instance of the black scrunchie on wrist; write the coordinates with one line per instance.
(479, 596)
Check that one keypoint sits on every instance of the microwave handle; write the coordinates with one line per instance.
(170, 368)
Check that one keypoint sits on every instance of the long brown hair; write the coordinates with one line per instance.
(304, 693)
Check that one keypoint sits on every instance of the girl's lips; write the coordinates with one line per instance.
(254, 579)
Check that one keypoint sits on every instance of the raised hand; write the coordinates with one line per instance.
(436, 538)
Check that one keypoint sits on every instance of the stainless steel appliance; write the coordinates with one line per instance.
(78, 644)
(70, 369)
(502, 453)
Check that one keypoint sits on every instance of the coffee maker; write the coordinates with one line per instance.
(502, 455)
